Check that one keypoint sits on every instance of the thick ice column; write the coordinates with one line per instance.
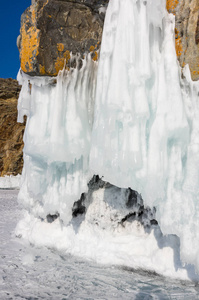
(137, 82)
(121, 105)
(180, 213)
(145, 132)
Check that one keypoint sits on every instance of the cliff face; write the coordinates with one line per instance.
(186, 33)
(11, 132)
(53, 29)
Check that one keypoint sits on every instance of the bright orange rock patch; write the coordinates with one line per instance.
(62, 61)
(60, 47)
(178, 43)
(171, 4)
(94, 52)
(29, 42)
(42, 69)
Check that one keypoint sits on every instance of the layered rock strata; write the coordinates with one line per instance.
(11, 132)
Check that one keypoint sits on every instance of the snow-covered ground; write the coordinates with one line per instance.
(10, 182)
(137, 129)
(34, 273)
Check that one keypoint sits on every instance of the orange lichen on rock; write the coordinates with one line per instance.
(29, 42)
(92, 48)
(95, 57)
(42, 69)
(62, 61)
(60, 47)
(94, 54)
(43, 53)
(171, 4)
(178, 43)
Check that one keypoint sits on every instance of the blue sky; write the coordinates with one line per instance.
(10, 14)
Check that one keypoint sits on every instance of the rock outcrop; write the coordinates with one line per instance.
(53, 30)
(186, 33)
(11, 132)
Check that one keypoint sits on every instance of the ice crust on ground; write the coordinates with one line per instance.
(137, 128)
(100, 235)
(10, 182)
(29, 272)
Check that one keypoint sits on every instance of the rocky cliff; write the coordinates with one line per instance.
(11, 132)
(186, 33)
(54, 30)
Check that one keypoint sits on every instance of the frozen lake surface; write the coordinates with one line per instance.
(31, 273)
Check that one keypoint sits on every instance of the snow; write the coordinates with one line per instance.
(10, 182)
(100, 235)
(133, 120)
(29, 272)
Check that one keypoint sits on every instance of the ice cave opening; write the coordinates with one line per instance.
(111, 150)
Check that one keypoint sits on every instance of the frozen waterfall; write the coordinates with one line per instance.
(134, 121)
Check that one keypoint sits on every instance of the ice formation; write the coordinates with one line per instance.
(57, 139)
(135, 124)
(10, 182)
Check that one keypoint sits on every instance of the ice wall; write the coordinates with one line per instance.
(139, 108)
(139, 130)
(57, 138)
(145, 127)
